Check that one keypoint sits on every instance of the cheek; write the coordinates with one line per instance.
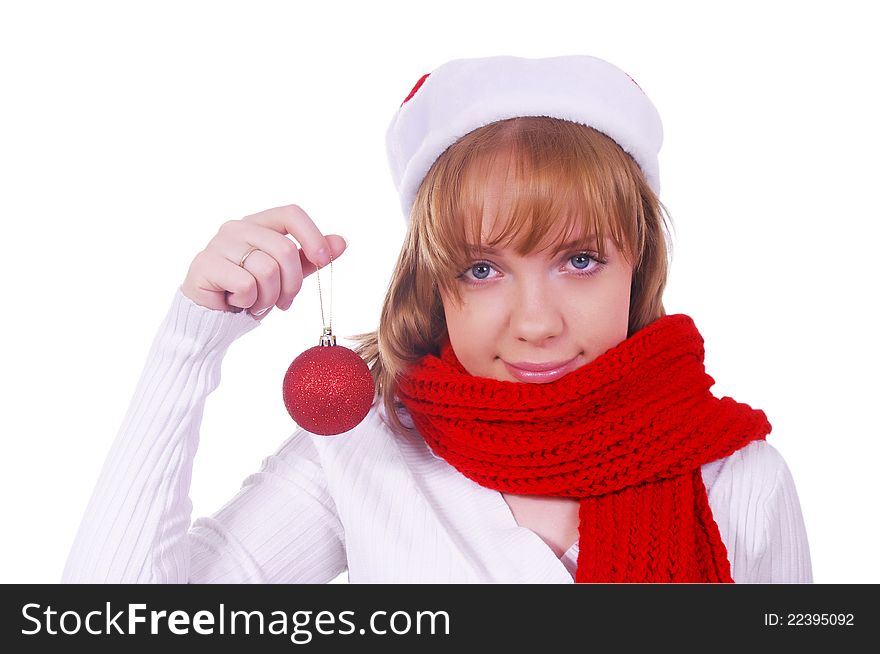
(602, 312)
(473, 336)
(459, 323)
(609, 297)
(618, 313)
(474, 311)
(614, 292)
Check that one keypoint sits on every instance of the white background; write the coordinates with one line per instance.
(130, 131)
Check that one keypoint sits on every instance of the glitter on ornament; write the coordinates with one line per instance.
(328, 389)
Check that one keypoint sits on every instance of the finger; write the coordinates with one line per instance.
(266, 272)
(292, 219)
(238, 284)
(237, 237)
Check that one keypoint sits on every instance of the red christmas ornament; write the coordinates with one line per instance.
(328, 389)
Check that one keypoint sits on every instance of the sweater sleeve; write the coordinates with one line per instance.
(136, 527)
(787, 557)
(281, 527)
(759, 517)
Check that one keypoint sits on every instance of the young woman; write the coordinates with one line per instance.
(539, 417)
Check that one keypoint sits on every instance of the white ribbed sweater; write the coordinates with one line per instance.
(367, 501)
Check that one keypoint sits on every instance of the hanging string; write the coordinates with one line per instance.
(329, 328)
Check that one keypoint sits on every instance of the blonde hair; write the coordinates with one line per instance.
(565, 175)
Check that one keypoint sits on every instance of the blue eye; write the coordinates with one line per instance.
(584, 259)
(479, 265)
(582, 255)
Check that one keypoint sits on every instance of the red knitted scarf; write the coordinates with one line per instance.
(626, 433)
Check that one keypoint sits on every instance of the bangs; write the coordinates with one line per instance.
(531, 184)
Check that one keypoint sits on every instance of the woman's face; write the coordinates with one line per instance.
(540, 308)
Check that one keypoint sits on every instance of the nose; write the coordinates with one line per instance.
(536, 314)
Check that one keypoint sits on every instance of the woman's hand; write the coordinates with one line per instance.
(272, 275)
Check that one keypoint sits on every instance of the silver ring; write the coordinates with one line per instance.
(246, 255)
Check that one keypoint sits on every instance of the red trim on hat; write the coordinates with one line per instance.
(415, 88)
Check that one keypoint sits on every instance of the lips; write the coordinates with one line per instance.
(557, 370)
(539, 367)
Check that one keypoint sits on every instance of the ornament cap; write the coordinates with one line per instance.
(327, 338)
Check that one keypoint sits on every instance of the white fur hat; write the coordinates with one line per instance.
(464, 94)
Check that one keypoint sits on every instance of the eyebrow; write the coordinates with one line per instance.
(591, 239)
